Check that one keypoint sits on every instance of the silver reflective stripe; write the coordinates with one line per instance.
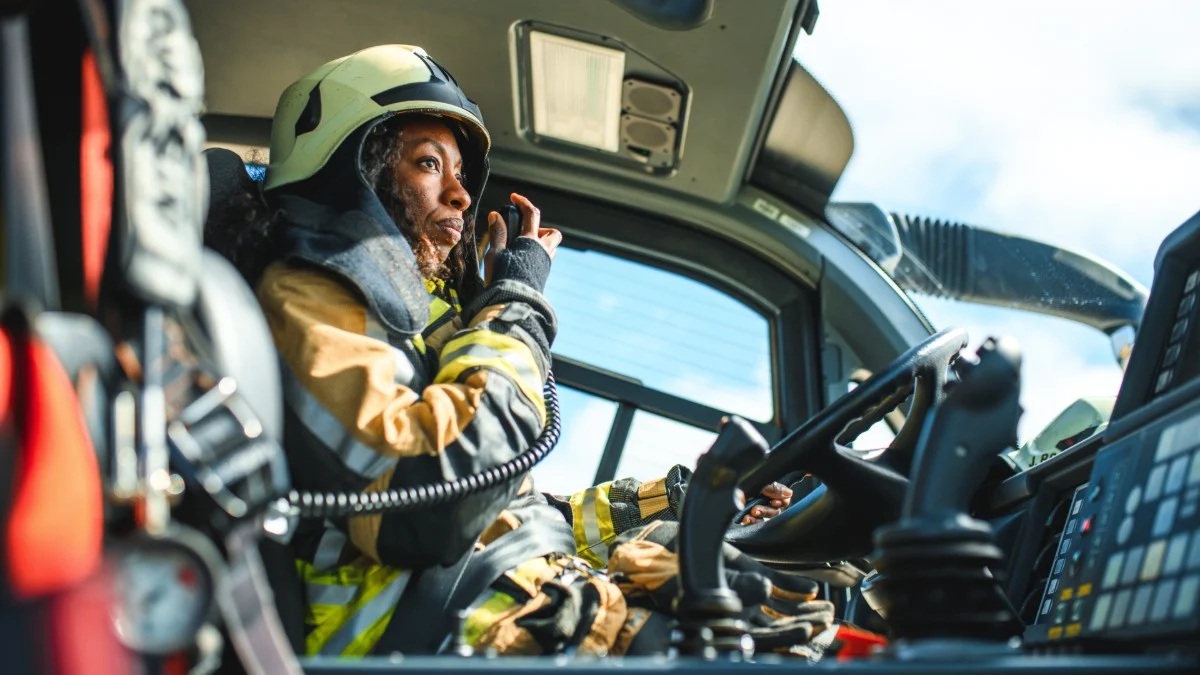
(329, 549)
(330, 594)
(520, 360)
(375, 609)
(405, 374)
(320, 423)
(591, 524)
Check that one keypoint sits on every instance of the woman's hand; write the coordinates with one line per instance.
(496, 239)
(780, 496)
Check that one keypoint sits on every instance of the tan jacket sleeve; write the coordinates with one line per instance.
(375, 409)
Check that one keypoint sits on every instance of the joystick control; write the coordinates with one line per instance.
(938, 567)
(708, 610)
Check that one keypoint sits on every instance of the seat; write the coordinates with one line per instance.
(242, 348)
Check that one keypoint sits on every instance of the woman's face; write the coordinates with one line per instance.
(428, 174)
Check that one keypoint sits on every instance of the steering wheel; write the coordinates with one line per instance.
(835, 521)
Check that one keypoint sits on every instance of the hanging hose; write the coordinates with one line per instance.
(339, 504)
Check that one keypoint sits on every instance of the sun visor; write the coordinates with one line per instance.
(807, 145)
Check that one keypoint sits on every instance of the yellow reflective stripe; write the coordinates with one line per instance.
(419, 342)
(486, 616)
(350, 606)
(591, 513)
(437, 309)
(485, 349)
(463, 363)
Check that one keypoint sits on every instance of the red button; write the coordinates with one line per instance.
(1086, 527)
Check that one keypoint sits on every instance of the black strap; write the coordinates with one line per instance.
(429, 608)
(422, 617)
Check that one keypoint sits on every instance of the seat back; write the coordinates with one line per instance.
(243, 349)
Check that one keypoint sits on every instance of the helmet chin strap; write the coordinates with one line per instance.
(472, 281)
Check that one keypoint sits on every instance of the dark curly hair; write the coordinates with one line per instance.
(241, 225)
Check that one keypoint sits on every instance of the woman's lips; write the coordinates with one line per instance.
(452, 227)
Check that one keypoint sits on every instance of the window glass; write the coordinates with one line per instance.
(877, 437)
(674, 334)
(1061, 360)
(656, 444)
(571, 466)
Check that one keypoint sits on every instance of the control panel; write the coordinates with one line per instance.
(1127, 565)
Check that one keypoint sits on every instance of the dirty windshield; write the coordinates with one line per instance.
(1072, 123)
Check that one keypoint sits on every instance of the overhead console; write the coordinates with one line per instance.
(593, 94)
(1124, 573)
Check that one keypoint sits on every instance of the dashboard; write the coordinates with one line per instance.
(1104, 539)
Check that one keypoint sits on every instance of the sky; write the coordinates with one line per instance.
(1075, 123)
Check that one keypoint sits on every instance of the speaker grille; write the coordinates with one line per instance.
(648, 141)
(650, 100)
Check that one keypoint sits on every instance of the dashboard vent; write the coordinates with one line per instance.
(1040, 574)
(1168, 367)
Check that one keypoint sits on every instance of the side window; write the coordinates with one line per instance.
(572, 465)
(656, 444)
(655, 346)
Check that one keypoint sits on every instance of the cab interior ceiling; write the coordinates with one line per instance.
(734, 69)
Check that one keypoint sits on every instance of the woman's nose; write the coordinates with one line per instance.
(456, 195)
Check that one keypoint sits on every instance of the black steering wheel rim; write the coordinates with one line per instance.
(834, 526)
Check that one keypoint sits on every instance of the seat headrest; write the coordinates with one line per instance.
(235, 202)
(227, 177)
(226, 307)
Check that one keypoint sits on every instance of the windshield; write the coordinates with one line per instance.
(1072, 123)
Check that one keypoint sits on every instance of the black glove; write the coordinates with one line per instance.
(780, 610)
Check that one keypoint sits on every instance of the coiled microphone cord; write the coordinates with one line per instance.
(340, 504)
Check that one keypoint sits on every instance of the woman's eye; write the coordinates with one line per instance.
(430, 162)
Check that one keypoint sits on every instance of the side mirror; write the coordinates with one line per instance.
(972, 264)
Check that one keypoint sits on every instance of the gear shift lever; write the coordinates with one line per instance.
(705, 603)
(938, 565)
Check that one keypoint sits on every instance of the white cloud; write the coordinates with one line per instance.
(571, 466)
(1072, 122)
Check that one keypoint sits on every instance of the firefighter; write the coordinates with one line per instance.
(403, 366)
